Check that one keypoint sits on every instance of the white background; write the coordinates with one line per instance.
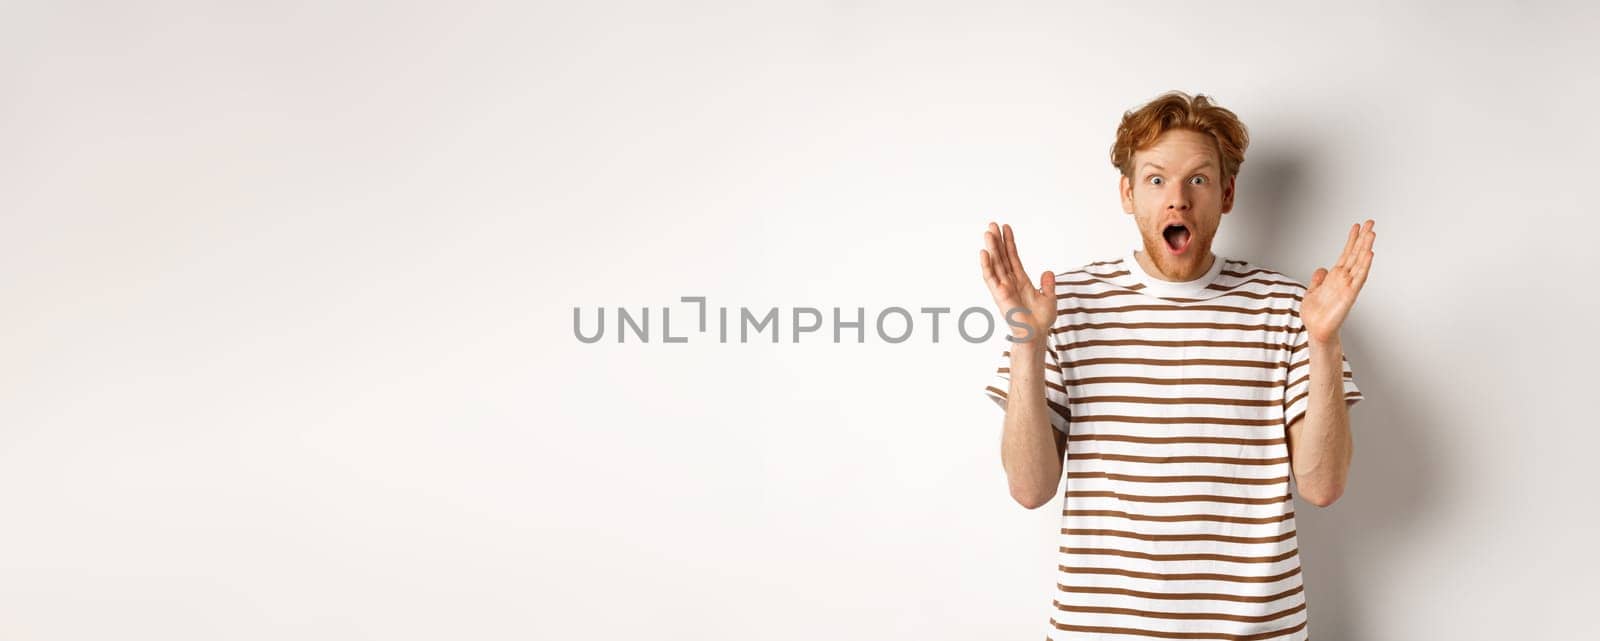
(286, 342)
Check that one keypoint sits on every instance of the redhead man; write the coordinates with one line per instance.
(1178, 392)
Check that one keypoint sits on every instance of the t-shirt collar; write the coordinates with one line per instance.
(1169, 289)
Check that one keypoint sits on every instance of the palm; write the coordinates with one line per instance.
(1333, 291)
(1011, 287)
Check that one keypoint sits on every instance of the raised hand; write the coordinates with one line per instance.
(1012, 289)
(1333, 291)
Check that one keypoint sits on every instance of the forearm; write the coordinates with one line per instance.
(1322, 441)
(1028, 445)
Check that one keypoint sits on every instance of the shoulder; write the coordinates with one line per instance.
(1243, 272)
(1093, 276)
(1282, 293)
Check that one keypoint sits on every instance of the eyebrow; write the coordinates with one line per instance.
(1202, 165)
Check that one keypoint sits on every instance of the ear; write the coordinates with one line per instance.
(1125, 191)
(1227, 194)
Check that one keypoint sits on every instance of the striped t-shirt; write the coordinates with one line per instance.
(1176, 398)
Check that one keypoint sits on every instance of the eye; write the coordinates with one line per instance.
(1155, 180)
(1202, 180)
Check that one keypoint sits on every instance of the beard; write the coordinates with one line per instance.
(1188, 264)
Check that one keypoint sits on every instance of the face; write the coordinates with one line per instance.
(1177, 183)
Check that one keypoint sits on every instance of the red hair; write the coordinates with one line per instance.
(1178, 110)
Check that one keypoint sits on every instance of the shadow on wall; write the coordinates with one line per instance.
(1349, 544)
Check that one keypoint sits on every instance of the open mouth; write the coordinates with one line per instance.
(1178, 237)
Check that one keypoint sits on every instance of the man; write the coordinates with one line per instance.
(1179, 391)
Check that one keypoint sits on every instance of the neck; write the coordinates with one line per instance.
(1177, 273)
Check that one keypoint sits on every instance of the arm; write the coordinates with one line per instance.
(1031, 450)
(1320, 445)
(1029, 439)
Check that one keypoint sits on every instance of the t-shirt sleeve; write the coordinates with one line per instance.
(1055, 390)
(1298, 384)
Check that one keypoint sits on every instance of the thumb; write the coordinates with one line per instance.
(1316, 278)
(1047, 282)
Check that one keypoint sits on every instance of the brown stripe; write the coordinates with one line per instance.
(1261, 270)
(1129, 458)
(1180, 537)
(1192, 616)
(1179, 299)
(1182, 400)
(1178, 635)
(1228, 290)
(1176, 362)
(1179, 518)
(1156, 325)
(1182, 596)
(1135, 478)
(1239, 382)
(1169, 576)
(1233, 290)
(1232, 309)
(1221, 440)
(1097, 342)
(1182, 557)
(1180, 420)
(1179, 498)
(1087, 295)
(1263, 281)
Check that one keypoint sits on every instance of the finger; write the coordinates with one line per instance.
(1016, 262)
(991, 240)
(988, 271)
(1363, 261)
(1002, 257)
(1354, 253)
(1358, 273)
(1363, 245)
(997, 252)
(1349, 242)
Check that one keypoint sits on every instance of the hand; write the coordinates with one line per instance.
(1333, 292)
(1012, 289)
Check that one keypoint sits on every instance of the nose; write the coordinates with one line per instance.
(1177, 197)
